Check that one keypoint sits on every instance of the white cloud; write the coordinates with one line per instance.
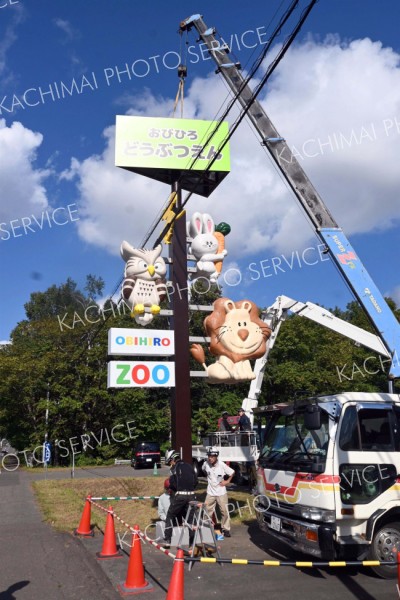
(8, 40)
(66, 27)
(21, 186)
(323, 93)
(394, 294)
(70, 39)
(341, 102)
(114, 204)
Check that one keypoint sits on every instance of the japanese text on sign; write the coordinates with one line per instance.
(166, 150)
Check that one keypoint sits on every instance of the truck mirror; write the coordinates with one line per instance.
(312, 417)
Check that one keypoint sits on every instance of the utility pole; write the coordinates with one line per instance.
(171, 163)
(46, 435)
(181, 407)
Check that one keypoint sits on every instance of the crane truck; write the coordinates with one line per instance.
(329, 469)
(230, 444)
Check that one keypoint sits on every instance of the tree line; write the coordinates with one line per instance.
(64, 369)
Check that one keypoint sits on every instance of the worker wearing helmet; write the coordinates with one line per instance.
(219, 475)
(171, 456)
(182, 482)
(164, 501)
(244, 424)
(224, 424)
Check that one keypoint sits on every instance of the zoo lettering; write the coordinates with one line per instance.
(141, 374)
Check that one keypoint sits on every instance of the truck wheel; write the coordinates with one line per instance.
(384, 547)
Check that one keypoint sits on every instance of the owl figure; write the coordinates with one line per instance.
(144, 284)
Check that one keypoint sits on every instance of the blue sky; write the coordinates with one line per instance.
(335, 98)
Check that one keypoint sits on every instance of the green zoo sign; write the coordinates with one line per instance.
(164, 149)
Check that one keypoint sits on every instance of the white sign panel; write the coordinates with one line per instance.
(137, 342)
(128, 374)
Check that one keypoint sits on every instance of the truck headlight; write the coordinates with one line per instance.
(318, 514)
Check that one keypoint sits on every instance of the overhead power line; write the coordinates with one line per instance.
(256, 65)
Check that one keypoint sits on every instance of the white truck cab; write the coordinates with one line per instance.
(328, 481)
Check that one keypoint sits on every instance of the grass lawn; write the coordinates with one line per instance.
(62, 502)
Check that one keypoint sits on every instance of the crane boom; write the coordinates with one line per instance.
(279, 311)
(339, 247)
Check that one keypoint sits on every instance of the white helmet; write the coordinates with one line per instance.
(171, 455)
(212, 451)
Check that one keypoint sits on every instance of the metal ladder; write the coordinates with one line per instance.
(198, 519)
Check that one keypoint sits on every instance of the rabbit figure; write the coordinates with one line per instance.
(204, 246)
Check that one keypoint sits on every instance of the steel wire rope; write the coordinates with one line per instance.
(242, 115)
(229, 95)
(256, 65)
(258, 89)
(300, 212)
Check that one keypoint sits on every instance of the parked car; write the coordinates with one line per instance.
(146, 454)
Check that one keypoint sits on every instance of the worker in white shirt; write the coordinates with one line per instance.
(219, 475)
(164, 501)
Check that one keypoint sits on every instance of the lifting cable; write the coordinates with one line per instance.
(256, 65)
(244, 111)
(182, 74)
(242, 115)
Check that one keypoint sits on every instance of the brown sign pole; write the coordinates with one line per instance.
(140, 149)
(181, 407)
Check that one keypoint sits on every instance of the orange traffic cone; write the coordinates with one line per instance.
(84, 526)
(135, 581)
(109, 549)
(176, 587)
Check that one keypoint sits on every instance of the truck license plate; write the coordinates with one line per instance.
(275, 523)
(148, 459)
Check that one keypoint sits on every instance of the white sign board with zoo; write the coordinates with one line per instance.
(127, 374)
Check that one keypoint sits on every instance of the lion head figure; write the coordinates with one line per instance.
(236, 330)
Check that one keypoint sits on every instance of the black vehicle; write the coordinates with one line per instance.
(146, 454)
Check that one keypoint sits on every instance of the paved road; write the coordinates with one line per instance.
(40, 563)
(242, 582)
(37, 562)
(89, 472)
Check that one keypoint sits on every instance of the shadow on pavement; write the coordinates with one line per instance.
(282, 552)
(8, 594)
(354, 586)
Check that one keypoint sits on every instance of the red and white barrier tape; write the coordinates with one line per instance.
(143, 536)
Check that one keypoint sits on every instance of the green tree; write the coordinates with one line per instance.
(68, 360)
(311, 359)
